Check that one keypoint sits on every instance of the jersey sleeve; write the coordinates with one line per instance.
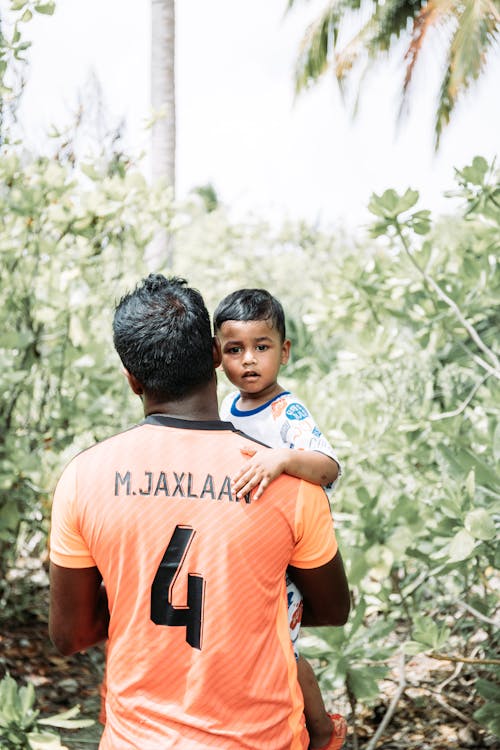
(67, 546)
(299, 430)
(316, 543)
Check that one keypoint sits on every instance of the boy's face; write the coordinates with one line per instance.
(252, 353)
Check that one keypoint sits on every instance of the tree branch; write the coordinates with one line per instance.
(393, 704)
(479, 615)
(473, 334)
(456, 412)
(464, 659)
(453, 711)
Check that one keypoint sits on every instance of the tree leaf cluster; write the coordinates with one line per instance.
(395, 350)
(20, 725)
(349, 35)
(69, 250)
(394, 347)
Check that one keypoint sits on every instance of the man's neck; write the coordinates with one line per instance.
(201, 405)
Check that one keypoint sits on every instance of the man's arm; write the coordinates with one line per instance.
(325, 592)
(79, 615)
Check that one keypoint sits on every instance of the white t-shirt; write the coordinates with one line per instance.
(282, 421)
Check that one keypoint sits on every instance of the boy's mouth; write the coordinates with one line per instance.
(251, 375)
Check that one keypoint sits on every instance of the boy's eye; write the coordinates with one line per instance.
(262, 347)
(233, 350)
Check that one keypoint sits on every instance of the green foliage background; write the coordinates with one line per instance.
(394, 339)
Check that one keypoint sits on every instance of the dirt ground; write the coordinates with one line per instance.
(429, 715)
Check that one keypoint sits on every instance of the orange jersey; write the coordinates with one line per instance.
(199, 654)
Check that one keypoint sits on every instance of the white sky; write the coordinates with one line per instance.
(237, 124)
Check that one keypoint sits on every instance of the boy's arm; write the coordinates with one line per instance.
(265, 465)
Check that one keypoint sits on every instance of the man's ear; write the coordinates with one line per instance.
(133, 383)
(285, 351)
(217, 351)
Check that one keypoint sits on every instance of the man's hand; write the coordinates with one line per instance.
(259, 471)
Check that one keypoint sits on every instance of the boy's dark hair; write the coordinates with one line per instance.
(162, 334)
(251, 304)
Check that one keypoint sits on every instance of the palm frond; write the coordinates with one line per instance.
(426, 19)
(443, 109)
(472, 29)
(423, 22)
(346, 58)
(392, 18)
(317, 46)
(477, 31)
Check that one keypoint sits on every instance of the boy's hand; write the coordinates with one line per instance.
(260, 469)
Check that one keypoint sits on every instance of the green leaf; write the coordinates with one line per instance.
(470, 484)
(357, 620)
(45, 8)
(313, 646)
(475, 174)
(380, 560)
(67, 723)
(379, 229)
(412, 648)
(89, 170)
(10, 516)
(489, 716)
(67, 720)
(408, 200)
(425, 631)
(377, 207)
(363, 682)
(461, 546)
(488, 690)
(27, 696)
(480, 524)
(420, 222)
(384, 205)
(44, 741)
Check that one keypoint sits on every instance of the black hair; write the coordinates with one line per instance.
(162, 334)
(251, 304)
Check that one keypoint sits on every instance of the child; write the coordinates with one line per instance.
(250, 327)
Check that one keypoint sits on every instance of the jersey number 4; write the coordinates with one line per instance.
(163, 611)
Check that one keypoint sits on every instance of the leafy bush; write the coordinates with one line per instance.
(20, 725)
(68, 252)
(394, 350)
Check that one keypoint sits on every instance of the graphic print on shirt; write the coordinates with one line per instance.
(298, 426)
(163, 611)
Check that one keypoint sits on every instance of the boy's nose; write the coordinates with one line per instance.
(249, 357)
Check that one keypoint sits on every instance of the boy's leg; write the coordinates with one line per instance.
(324, 732)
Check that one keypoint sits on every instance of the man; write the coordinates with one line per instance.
(150, 549)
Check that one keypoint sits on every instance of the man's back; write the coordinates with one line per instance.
(199, 654)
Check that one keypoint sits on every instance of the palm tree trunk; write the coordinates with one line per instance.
(163, 101)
